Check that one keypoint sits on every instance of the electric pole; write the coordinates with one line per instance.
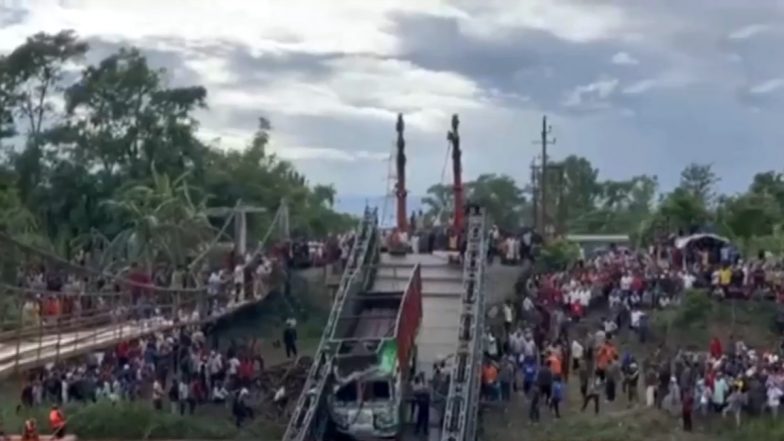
(534, 195)
(544, 141)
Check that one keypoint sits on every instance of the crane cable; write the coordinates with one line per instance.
(389, 191)
(443, 177)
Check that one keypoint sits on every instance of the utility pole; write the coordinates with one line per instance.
(402, 215)
(534, 195)
(544, 141)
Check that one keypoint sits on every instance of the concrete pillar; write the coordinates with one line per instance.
(240, 233)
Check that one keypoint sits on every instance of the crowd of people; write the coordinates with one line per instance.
(176, 368)
(184, 367)
(587, 323)
(54, 295)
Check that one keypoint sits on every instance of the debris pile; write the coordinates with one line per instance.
(277, 405)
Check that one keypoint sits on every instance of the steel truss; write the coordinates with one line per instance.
(462, 403)
(309, 419)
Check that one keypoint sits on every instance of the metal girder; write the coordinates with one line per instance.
(225, 211)
(309, 419)
(462, 404)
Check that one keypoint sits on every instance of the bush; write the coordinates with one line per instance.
(557, 255)
(135, 421)
(694, 311)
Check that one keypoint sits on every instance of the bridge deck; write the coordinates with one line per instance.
(32, 353)
(442, 285)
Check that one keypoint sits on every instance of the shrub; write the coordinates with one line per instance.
(557, 255)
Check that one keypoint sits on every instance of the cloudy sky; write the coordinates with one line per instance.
(637, 86)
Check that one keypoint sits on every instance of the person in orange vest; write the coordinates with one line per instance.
(57, 422)
(30, 432)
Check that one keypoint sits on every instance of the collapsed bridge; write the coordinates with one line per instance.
(394, 316)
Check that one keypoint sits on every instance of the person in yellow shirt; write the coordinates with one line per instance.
(725, 276)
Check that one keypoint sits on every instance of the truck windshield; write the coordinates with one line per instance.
(376, 391)
(347, 393)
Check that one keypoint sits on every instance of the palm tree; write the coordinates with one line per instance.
(439, 202)
(161, 221)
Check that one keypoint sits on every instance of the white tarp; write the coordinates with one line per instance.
(683, 242)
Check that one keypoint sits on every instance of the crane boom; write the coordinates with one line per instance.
(457, 173)
(400, 190)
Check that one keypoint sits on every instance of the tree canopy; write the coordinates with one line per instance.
(586, 204)
(112, 148)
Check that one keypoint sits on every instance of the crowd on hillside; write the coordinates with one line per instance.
(178, 365)
(582, 323)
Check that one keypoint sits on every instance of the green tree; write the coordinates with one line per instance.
(502, 198)
(161, 222)
(439, 203)
(700, 181)
(122, 118)
(32, 77)
(581, 186)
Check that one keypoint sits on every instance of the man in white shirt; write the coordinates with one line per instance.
(688, 280)
(636, 315)
(215, 367)
(508, 316)
(626, 283)
(157, 395)
(577, 354)
(219, 393)
(239, 281)
(234, 365)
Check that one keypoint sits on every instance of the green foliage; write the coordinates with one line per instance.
(139, 421)
(500, 197)
(118, 160)
(504, 201)
(698, 318)
(557, 255)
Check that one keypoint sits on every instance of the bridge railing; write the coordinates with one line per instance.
(309, 418)
(30, 336)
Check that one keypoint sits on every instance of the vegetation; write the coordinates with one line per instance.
(583, 203)
(111, 151)
(557, 255)
(139, 421)
(699, 318)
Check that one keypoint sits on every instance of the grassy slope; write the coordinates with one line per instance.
(691, 325)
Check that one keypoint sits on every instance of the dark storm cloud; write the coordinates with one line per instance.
(258, 68)
(529, 63)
